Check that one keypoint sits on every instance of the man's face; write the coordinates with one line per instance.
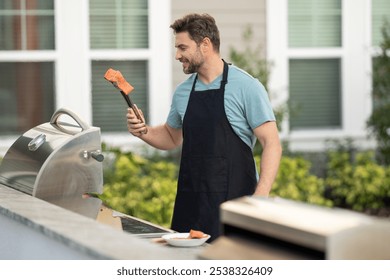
(188, 53)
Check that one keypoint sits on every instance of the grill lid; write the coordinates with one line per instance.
(58, 162)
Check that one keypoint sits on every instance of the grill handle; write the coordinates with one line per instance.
(54, 121)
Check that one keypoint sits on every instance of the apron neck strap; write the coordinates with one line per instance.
(224, 76)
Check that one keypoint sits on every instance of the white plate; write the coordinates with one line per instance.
(181, 240)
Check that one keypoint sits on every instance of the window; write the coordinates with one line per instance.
(315, 84)
(120, 25)
(26, 95)
(327, 78)
(380, 13)
(314, 23)
(315, 93)
(27, 25)
(109, 107)
(380, 19)
(26, 87)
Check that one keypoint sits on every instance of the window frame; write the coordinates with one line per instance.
(157, 54)
(355, 70)
(25, 55)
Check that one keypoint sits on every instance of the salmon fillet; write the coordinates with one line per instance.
(197, 234)
(117, 79)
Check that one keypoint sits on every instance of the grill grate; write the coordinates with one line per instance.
(138, 227)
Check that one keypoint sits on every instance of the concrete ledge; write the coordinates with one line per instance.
(31, 228)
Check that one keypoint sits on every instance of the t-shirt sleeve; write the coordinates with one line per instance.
(179, 103)
(258, 107)
(174, 119)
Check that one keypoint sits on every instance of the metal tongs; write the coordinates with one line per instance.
(116, 78)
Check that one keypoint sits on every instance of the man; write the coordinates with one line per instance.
(216, 115)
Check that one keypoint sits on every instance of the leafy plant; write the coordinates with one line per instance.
(295, 182)
(140, 187)
(145, 187)
(357, 183)
(250, 58)
(379, 121)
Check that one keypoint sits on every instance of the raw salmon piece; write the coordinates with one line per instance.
(117, 79)
(197, 234)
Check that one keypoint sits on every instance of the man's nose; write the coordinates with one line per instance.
(177, 55)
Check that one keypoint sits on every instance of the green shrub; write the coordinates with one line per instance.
(295, 182)
(357, 183)
(145, 187)
(379, 121)
(140, 187)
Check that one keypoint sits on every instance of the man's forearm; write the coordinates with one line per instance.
(160, 138)
(269, 166)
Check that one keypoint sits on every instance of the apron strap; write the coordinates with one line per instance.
(224, 77)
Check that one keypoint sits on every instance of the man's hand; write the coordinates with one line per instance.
(134, 125)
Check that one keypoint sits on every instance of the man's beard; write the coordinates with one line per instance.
(192, 68)
(194, 64)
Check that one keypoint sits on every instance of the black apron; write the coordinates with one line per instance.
(216, 165)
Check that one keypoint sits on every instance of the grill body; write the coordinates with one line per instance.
(58, 162)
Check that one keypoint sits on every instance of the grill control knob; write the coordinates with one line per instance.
(97, 155)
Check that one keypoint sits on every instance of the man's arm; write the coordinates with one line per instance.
(162, 137)
(268, 136)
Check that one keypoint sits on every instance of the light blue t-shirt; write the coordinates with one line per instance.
(247, 103)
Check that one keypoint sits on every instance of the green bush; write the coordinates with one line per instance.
(379, 121)
(357, 183)
(295, 182)
(140, 187)
(145, 187)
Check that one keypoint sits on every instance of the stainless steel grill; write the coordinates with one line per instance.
(275, 228)
(61, 163)
(58, 162)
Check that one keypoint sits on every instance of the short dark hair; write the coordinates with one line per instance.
(198, 26)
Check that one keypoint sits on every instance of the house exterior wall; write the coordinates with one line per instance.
(268, 19)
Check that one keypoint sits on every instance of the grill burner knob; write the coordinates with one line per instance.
(97, 155)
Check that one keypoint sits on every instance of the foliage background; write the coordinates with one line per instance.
(145, 187)
(379, 122)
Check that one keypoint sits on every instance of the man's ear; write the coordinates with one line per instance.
(206, 44)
